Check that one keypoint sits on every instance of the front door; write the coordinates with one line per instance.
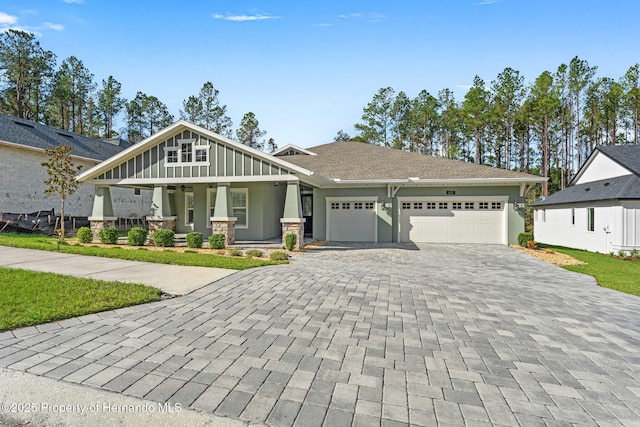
(307, 213)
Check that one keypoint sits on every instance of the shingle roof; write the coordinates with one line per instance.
(36, 135)
(360, 161)
(627, 155)
(625, 187)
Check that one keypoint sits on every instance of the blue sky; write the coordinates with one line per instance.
(306, 69)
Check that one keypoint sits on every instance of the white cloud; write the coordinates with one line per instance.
(244, 18)
(370, 17)
(74, 1)
(57, 27)
(465, 87)
(350, 15)
(325, 24)
(6, 19)
(483, 2)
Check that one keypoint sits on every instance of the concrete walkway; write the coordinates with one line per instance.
(364, 336)
(171, 279)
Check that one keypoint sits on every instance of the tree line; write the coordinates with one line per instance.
(547, 127)
(33, 87)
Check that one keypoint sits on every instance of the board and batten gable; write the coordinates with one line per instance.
(216, 159)
(600, 167)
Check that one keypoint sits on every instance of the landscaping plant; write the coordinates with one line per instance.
(290, 241)
(84, 235)
(235, 252)
(253, 253)
(217, 241)
(164, 238)
(194, 239)
(137, 236)
(279, 256)
(108, 236)
(524, 239)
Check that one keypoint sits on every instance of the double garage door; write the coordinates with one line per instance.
(452, 221)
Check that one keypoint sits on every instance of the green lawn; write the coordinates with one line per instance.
(161, 257)
(31, 298)
(613, 273)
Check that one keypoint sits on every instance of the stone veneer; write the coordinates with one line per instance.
(97, 225)
(225, 227)
(160, 224)
(296, 228)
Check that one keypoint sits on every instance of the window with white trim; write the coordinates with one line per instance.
(573, 216)
(468, 205)
(346, 205)
(483, 205)
(186, 152)
(357, 205)
(591, 219)
(443, 205)
(431, 205)
(456, 206)
(417, 205)
(239, 205)
(172, 155)
(201, 154)
(188, 208)
(335, 205)
(406, 205)
(496, 205)
(368, 205)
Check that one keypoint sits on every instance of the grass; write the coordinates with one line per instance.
(609, 272)
(31, 241)
(30, 298)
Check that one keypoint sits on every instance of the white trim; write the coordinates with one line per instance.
(160, 218)
(329, 200)
(502, 199)
(222, 218)
(292, 147)
(186, 208)
(194, 180)
(40, 150)
(293, 220)
(246, 208)
(102, 218)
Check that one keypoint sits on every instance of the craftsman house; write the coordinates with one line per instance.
(600, 210)
(22, 145)
(343, 191)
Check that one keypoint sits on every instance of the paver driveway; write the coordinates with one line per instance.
(394, 335)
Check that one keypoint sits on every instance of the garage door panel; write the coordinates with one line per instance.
(351, 221)
(460, 222)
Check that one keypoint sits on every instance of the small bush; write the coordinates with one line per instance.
(524, 239)
(253, 253)
(137, 236)
(108, 236)
(622, 254)
(612, 254)
(279, 256)
(235, 252)
(84, 235)
(290, 241)
(194, 239)
(635, 254)
(217, 241)
(164, 238)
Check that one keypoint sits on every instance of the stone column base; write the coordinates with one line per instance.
(293, 226)
(225, 227)
(161, 224)
(98, 224)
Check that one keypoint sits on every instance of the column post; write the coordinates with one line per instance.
(102, 213)
(224, 222)
(292, 220)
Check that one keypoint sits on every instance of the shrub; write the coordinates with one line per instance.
(612, 254)
(194, 239)
(217, 241)
(235, 252)
(279, 256)
(84, 235)
(164, 238)
(635, 254)
(622, 254)
(253, 253)
(524, 238)
(137, 236)
(108, 236)
(290, 241)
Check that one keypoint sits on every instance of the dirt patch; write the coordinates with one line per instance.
(549, 256)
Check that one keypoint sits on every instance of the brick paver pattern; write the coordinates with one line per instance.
(395, 335)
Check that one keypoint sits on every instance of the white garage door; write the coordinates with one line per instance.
(351, 220)
(459, 221)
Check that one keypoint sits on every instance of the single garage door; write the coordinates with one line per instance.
(351, 220)
(459, 221)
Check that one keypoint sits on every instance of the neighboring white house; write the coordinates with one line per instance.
(600, 210)
(22, 145)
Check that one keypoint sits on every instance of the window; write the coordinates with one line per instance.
(357, 205)
(406, 205)
(573, 216)
(496, 205)
(368, 205)
(468, 205)
(201, 154)
(483, 205)
(186, 152)
(456, 206)
(188, 208)
(431, 205)
(346, 205)
(335, 205)
(239, 206)
(443, 205)
(417, 205)
(543, 215)
(172, 155)
(591, 220)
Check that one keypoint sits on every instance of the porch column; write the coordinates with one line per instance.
(223, 222)
(161, 215)
(102, 213)
(292, 220)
